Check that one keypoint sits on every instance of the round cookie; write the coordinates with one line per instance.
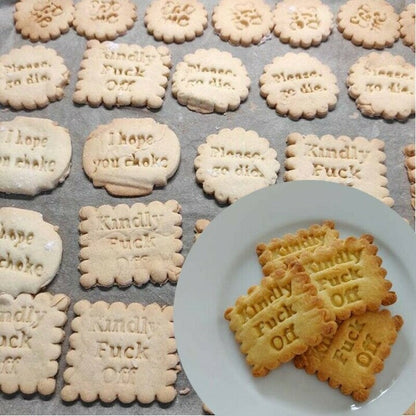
(104, 19)
(234, 163)
(299, 85)
(242, 22)
(43, 19)
(129, 156)
(302, 23)
(372, 24)
(407, 26)
(210, 80)
(176, 20)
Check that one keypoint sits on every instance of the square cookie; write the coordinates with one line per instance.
(119, 351)
(30, 337)
(118, 74)
(123, 245)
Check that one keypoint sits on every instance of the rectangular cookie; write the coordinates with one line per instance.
(30, 337)
(348, 276)
(279, 318)
(354, 162)
(409, 152)
(357, 351)
(292, 245)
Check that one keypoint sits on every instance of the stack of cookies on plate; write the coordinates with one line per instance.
(319, 304)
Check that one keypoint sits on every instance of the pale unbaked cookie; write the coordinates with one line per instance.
(104, 19)
(31, 334)
(409, 152)
(43, 19)
(242, 22)
(35, 155)
(129, 156)
(30, 251)
(118, 74)
(357, 162)
(383, 85)
(119, 351)
(407, 26)
(32, 77)
(234, 163)
(130, 245)
(372, 24)
(210, 80)
(302, 23)
(176, 20)
(298, 85)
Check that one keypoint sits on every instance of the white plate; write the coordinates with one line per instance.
(221, 266)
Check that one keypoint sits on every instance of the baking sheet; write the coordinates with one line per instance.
(61, 205)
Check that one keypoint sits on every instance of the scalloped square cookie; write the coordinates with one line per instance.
(119, 74)
(357, 162)
(407, 26)
(119, 351)
(30, 337)
(124, 245)
(383, 85)
(279, 318)
(350, 359)
(409, 152)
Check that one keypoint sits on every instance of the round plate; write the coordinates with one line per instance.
(223, 264)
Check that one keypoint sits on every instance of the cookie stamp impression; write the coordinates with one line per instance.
(131, 156)
(176, 20)
(43, 19)
(242, 22)
(30, 251)
(124, 245)
(234, 163)
(104, 19)
(118, 351)
(31, 334)
(210, 80)
(302, 23)
(299, 85)
(371, 24)
(119, 74)
(35, 155)
(354, 162)
(407, 26)
(383, 85)
(31, 77)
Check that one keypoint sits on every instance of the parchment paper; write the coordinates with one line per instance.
(61, 205)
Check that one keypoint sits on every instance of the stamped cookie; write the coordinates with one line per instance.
(302, 23)
(176, 20)
(350, 359)
(119, 74)
(407, 26)
(383, 85)
(234, 163)
(354, 162)
(210, 80)
(409, 152)
(43, 19)
(124, 245)
(279, 249)
(129, 156)
(242, 22)
(298, 85)
(279, 319)
(35, 155)
(348, 276)
(31, 334)
(30, 251)
(119, 351)
(370, 24)
(104, 19)
(32, 77)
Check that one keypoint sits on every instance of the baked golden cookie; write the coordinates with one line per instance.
(350, 359)
(279, 318)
